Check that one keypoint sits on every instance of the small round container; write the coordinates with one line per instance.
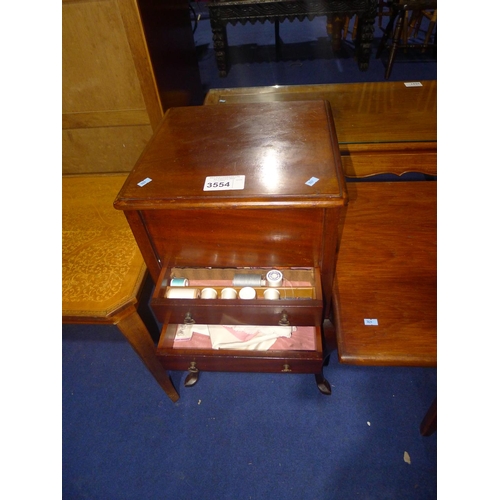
(228, 293)
(208, 293)
(183, 293)
(272, 294)
(179, 282)
(247, 293)
(274, 278)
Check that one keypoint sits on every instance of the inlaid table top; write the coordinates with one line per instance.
(102, 267)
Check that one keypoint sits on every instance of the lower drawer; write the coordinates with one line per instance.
(302, 352)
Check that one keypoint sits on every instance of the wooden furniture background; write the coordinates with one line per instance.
(103, 271)
(223, 12)
(381, 127)
(124, 63)
(387, 262)
(277, 220)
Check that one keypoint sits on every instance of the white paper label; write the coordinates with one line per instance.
(144, 181)
(413, 84)
(371, 322)
(312, 181)
(224, 183)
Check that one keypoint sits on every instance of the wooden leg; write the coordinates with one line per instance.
(429, 424)
(336, 28)
(364, 39)
(387, 33)
(323, 384)
(139, 338)
(219, 36)
(394, 47)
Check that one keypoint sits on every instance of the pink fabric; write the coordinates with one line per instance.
(303, 339)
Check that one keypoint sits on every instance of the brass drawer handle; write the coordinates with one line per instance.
(284, 319)
(286, 369)
(188, 319)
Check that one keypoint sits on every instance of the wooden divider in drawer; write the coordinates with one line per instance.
(300, 299)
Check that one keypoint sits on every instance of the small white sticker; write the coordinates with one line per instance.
(144, 182)
(371, 322)
(312, 181)
(413, 84)
(224, 183)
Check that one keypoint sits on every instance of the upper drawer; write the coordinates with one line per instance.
(300, 301)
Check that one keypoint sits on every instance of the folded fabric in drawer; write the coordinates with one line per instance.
(247, 338)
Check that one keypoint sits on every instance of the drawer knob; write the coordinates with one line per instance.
(286, 369)
(188, 319)
(284, 319)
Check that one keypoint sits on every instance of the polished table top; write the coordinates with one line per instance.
(387, 271)
(364, 113)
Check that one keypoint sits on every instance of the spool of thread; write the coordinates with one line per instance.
(228, 293)
(247, 293)
(248, 280)
(179, 282)
(209, 293)
(274, 278)
(271, 294)
(183, 293)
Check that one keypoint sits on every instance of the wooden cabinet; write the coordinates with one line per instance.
(242, 188)
(124, 63)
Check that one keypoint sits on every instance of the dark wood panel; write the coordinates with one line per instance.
(236, 238)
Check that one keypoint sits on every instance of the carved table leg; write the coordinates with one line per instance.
(139, 338)
(364, 39)
(219, 36)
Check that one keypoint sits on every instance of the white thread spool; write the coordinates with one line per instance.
(248, 280)
(228, 293)
(179, 282)
(182, 293)
(274, 278)
(247, 293)
(271, 294)
(209, 293)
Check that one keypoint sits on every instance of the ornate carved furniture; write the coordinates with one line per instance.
(192, 219)
(223, 12)
(400, 35)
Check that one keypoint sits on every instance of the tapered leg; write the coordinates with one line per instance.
(429, 424)
(323, 384)
(394, 47)
(139, 338)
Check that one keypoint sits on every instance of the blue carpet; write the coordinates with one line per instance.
(248, 436)
(251, 436)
